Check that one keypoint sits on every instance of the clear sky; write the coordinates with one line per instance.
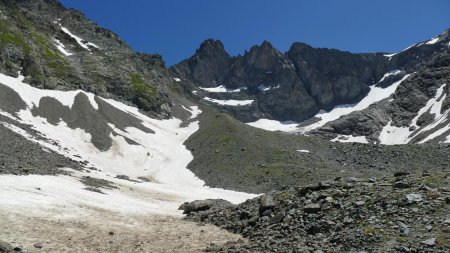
(175, 28)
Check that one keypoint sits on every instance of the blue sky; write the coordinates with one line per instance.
(175, 28)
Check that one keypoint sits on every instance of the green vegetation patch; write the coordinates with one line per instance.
(139, 86)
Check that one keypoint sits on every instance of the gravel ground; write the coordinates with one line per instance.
(103, 231)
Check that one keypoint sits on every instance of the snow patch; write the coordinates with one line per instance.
(434, 106)
(440, 131)
(350, 138)
(230, 102)
(389, 55)
(392, 135)
(303, 151)
(79, 40)
(274, 125)
(195, 111)
(390, 73)
(262, 87)
(177, 79)
(223, 89)
(433, 41)
(32, 95)
(61, 48)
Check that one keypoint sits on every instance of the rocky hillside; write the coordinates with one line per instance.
(57, 48)
(401, 213)
(232, 155)
(312, 85)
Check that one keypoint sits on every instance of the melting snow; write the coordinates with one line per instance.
(303, 151)
(390, 73)
(195, 111)
(177, 79)
(230, 102)
(392, 135)
(160, 156)
(433, 41)
(375, 94)
(262, 87)
(350, 138)
(401, 135)
(433, 105)
(80, 41)
(32, 95)
(61, 48)
(223, 89)
(273, 125)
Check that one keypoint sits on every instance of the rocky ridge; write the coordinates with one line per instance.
(400, 213)
(294, 85)
(297, 84)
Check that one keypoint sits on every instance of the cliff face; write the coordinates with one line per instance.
(285, 86)
(297, 84)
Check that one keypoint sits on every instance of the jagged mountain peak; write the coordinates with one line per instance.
(264, 48)
(211, 47)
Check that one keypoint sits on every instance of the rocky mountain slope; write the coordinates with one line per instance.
(417, 112)
(318, 86)
(57, 48)
(232, 155)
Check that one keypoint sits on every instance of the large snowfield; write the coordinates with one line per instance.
(159, 157)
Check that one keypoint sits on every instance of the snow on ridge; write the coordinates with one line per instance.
(79, 40)
(391, 55)
(230, 102)
(433, 41)
(223, 89)
(350, 138)
(375, 94)
(61, 48)
(390, 73)
(274, 125)
(159, 156)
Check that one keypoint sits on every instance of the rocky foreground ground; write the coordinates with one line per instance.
(402, 213)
